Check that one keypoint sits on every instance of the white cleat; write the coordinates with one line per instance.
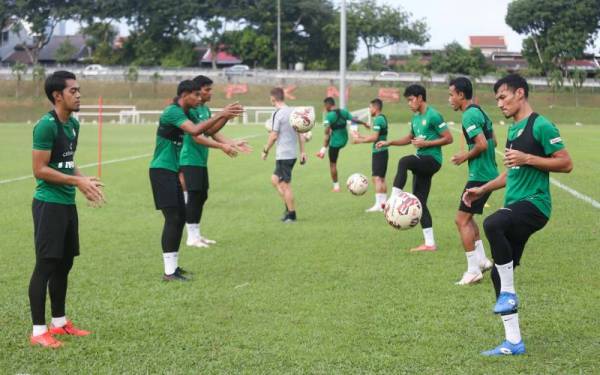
(469, 278)
(207, 241)
(375, 208)
(486, 265)
(196, 242)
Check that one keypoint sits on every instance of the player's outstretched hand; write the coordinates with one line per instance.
(381, 144)
(233, 110)
(366, 125)
(514, 158)
(243, 146)
(472, 194)
(91, 189)
(229, 150)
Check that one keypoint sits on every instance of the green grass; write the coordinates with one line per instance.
(336, 292)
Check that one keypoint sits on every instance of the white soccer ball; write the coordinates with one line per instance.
(307, 136)
(302, 119)
(269, 125)
(403, 211)
(357, 184)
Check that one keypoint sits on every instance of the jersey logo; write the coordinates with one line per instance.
(424, 122)
(472, 127)
(442, 125)
(555, 140)
(519, 133)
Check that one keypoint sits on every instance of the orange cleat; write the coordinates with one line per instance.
(423, 248)
(68, 329)
(46, 340)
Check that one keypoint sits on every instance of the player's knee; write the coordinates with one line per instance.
(492, 224)
(461, 220)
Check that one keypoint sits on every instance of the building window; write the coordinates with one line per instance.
(4, 37)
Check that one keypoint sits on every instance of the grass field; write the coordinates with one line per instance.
(336, 292)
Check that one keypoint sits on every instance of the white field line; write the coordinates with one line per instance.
(566, 188)
(113, 161)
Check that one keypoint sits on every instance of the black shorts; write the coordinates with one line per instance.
(283, 169)
(56, 230)
(379, 162)
(333, 153)
(525, 219)
(166, 188)
(476, 206)
(196, 178)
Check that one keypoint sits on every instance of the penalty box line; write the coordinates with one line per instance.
(555, 182)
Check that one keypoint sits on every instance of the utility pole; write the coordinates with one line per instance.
(278, 35)
(343, 55)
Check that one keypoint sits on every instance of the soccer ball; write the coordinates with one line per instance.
(302, 119)
(403, 211)
(307, 136)
(269, 125)
(357, 184)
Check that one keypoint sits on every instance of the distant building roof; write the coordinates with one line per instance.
(584, 64)
(223, 58)
(487, 41)
(48, 53)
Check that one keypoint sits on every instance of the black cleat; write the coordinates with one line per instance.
(183, 272)
(175, 276)
(290, 217)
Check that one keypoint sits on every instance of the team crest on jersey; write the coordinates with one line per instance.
(520, 132)
(424, 122)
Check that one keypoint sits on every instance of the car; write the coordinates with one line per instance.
(389, 74)
(94, 70)
(237, 70)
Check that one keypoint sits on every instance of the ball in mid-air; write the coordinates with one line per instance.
(302, 119)
(357, 184)
(403, 211)
(269, 125)
(307, 136)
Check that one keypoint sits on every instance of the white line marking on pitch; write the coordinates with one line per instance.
(566, 188)
(241, 285)
(103, 163)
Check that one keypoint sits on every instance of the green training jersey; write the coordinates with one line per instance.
(429, 126)
(337, 120)
(169, 138)
(483, 168)
(51, 135)
(380, 125)
(192, 153)
(526, 183)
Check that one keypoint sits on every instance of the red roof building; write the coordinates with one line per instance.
(488, 44)
(223, 58)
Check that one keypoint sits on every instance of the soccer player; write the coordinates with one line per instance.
(380, 156)
(288, 141)
(194, 158)
(479, 136)
(336, 136)
(164, 167)
(55, 220)
(428, 134)
(533, 149)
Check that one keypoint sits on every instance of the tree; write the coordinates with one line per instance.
(558, 31)
(131, 76)
(578, 77)
(253, 47)
(379, 26)
(38, 73)
(155, 78)
(100, 37)
(555, 81)
(457, 60)
(18, 70)
(214, 38)
(65, 51)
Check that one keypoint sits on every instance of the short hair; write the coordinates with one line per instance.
(377, 103)
(513, 82)
(278, 94)
(202, 81)
(464, 85)
(329, 100)
(416, 91)
(57, 81)
(187, 86)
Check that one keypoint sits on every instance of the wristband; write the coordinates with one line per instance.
(323, 150)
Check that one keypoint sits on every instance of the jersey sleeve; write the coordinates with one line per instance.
(473, 123)
(547, 134)
(174, 116)
(438, 123)
(347, 115)
(44, 134)
(378, 123)
(278, 121)
(329, 119)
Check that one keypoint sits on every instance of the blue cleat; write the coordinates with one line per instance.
(506, 303)
(506, 348)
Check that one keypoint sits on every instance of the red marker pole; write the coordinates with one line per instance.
(99, 136)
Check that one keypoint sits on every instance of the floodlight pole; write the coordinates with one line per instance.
(278, 35)
(343, 55)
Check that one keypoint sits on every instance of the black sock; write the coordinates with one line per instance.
(292, 215)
